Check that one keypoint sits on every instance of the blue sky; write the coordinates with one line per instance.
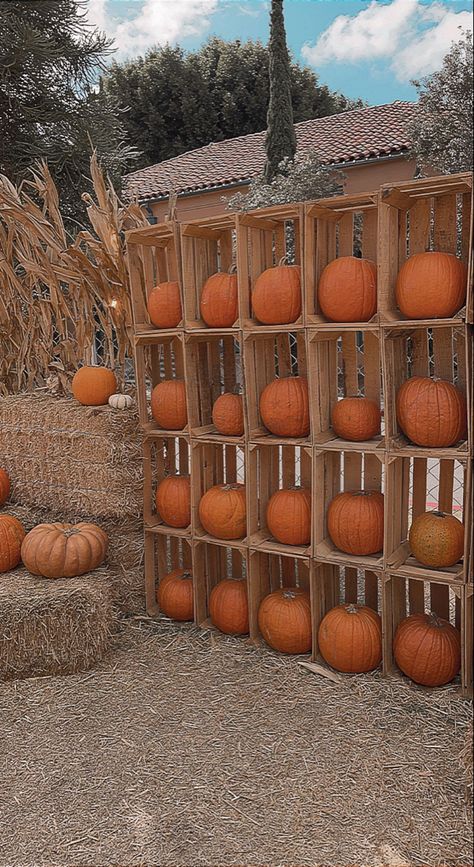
(367, 48)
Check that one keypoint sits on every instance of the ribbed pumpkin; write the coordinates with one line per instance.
(284, 619)
(355, 522)
(92, 386)
(431, 412)
(228, 606)
(175, 595)
(4, 486)
(350, 638)
(12, 534)
(219, 300)
(356, 419)
(168, 404)
(431, 286)
(284, 407)
(120, 401)
(173, 500)
(436, 539)
(347, 290)
(289, 516)
(64, 550)
(276, 297)
(427, 649)
(164, 305)
(222, 511)
(228, 414)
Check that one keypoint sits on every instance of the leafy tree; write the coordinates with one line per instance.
(294, 182)
(442, 131)
(280, 141)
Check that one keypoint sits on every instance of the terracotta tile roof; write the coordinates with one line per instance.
(364, 133)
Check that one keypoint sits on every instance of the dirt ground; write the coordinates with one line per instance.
(189, 748)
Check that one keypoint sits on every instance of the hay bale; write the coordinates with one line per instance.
(53, 627)
(73, 460)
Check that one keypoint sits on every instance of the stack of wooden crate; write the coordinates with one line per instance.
(367, 358)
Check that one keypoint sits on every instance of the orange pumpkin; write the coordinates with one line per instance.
(427, 649)
(350, 638)
(431, 412)
(284, 619)
(431, 286)
(284, 407)
(64, 550)
(219, 307)
(355, 522)
(173, 500)
(12, 534)
(276, 298)
(228, 606)
(222, 511)
(5, 486)
(356, 419)
(289, 516)
(164, 305)
(175, 595)
(436, 539)
(347, 290)
(92, 386)
(228, 414)
(168, 404)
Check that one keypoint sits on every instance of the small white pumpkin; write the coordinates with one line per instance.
(120, 401)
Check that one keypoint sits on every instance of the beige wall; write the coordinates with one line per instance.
(359, 179)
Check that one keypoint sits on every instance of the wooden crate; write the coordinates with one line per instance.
(153, 257)
(417, 485)
(266, 357)
(343, 363)
(214, 365)
(335, 585)
(334, 472)
(207, 247)
(468, 642)
(416, 216)
(439, 351)
(339, 226)
(212, 563)
(404, 596)
(162, 457)
(157, 358)
(162, 555)
(214, 464)
(269, 469)
(269, 572)
(264, 237)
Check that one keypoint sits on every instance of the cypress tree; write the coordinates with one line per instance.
(280, 141)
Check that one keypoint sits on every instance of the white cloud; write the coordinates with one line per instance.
(414, 36)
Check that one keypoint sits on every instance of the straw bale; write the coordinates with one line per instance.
(53, 627)
(70, 459)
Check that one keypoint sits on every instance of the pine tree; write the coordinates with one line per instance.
(280, 142)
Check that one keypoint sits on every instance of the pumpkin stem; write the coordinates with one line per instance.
(352, 608)
(185, 574)
(233, 486)
(233, 268)
(439, 514)
(283, 260)
(434, 620)
(289, 594)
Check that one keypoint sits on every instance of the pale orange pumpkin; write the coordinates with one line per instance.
(222, 511)
(289, 516)
(173, 500)
(350, 638)
(228, 414)
(284, 407)
(12, 534)
(347, 290)
(436, 539)
(356, 419)
(164, 305)
(431, 412)
(175, 595)
(64, 550)
(92, 386)
(427, 649)
(355, 522)
(276, 297)
(284, 619)
(168, 404)
(431, 285)
(5, 486)
(219, 306)
(228, 606)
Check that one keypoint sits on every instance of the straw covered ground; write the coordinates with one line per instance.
(189, 748)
